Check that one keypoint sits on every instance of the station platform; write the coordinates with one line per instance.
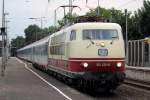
(21, 84)
(138, 73)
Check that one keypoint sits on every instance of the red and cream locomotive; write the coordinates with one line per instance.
(88, 54)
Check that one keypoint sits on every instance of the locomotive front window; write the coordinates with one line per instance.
(100, 34)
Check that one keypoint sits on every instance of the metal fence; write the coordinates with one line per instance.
(138, 53)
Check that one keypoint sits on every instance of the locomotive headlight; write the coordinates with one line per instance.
(119, 64)
(102, 44)
(85, 65)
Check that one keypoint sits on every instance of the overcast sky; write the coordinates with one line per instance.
(21, 10)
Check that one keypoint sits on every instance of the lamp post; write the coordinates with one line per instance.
(3, 40)
(126, 35)
(70, 8)
(38, 19)
(35, 30)
(5, 37)
(55, 15)
(98, 5)
(7, 41)
(41, 19)
(98, 12)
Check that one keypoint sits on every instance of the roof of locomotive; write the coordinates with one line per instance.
(96, 24)
(89, 25)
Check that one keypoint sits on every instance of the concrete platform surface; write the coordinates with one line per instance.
(28, 83)
(20, 84)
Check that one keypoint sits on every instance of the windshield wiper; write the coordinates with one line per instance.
(113, 38)
(90, 40)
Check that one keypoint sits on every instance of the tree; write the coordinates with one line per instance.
(31, 33)
(47, 31)
(18, 42)
(52, 29)
(144, 18)
(34, 33)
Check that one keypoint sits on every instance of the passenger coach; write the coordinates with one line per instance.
(87, 54)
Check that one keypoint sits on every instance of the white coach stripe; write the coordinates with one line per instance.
(44, 80)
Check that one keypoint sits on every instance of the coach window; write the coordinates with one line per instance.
(73, 35)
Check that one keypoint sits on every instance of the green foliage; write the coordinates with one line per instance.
(34, 33)
(52, 29)
(144, 18)
(138, 24)
(68, 19)
(18, 42)
(103, 12)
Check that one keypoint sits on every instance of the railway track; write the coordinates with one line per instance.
(138, 84)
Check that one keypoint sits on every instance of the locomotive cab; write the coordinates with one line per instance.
(96, 52)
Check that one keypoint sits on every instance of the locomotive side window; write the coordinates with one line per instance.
(73, 35)
(100, 34)
(57, 46)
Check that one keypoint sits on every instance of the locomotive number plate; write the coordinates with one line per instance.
(102, 52)
(103, 64)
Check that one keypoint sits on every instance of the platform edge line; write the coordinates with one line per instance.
(54, 87)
